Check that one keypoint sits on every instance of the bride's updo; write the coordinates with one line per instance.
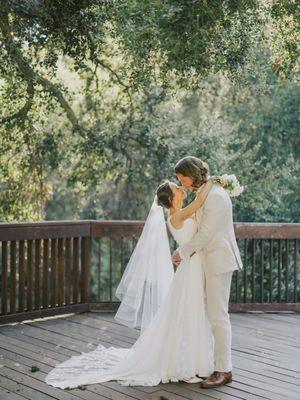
(164, 195)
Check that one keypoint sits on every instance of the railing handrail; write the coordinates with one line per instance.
(44, 230)
(90, 228)
(131, 221)
(267, 230)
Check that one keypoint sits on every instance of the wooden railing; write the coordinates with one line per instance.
(56, 267)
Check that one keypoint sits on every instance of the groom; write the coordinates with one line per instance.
(215, 239)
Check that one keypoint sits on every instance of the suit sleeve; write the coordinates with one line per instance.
(213, 214)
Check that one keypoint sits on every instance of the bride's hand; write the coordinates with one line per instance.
(176, 258)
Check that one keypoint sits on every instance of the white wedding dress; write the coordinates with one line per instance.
(176, 345)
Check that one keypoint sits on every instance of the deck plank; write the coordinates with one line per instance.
(238, 376)
(7, 395)
(265, 351)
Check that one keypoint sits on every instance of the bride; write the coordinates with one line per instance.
(176, 342)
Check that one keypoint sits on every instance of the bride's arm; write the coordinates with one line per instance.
(189, 210)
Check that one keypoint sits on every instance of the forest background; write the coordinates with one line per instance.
(99, 99)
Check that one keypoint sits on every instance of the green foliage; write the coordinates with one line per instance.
(81, 387)
(285, 16)
(100, 99)
(34, 368)
(190, 38)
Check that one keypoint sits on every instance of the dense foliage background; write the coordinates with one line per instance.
(99, 99)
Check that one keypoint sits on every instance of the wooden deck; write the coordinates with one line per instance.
(265, 349)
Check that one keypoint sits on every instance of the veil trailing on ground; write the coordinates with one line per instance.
(148, 274)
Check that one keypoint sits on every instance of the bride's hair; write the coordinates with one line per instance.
(164, 194)
(194, 168)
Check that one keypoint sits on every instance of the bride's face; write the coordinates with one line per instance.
(179, 193)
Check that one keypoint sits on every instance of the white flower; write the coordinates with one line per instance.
(237, 191)
(232, 186)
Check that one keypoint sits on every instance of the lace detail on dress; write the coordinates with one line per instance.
(86, 367)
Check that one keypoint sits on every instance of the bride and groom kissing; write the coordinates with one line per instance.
(183, 316)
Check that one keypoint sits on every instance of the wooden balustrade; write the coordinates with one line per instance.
(58, 267)
(52, 272)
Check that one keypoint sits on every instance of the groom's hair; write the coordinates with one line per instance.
(194, 168)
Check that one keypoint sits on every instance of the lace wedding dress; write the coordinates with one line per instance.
(176, 345)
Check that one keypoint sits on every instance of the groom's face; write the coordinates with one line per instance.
(186, 181)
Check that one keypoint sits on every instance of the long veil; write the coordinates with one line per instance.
(148, 274)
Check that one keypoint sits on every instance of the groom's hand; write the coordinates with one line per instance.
(176, 258)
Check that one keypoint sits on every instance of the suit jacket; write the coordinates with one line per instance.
(215, 238)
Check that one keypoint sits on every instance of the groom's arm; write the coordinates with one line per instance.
(212, 215)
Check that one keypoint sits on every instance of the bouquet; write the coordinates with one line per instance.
(230, 183)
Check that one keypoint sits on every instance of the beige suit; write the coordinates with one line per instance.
(215, 238)
(216, 243)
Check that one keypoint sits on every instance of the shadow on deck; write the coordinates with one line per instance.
(265, 350)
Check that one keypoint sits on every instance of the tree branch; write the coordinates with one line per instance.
(23, 112)
(114, 73)
(32, 76)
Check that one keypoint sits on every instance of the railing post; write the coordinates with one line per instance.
(85, 269)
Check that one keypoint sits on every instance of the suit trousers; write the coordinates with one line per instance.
(217, 291)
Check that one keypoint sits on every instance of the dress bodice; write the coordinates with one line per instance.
(185, 233)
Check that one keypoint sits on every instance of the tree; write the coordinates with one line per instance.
(126, 62)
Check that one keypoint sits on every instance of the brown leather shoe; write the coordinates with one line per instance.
(217, 378)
